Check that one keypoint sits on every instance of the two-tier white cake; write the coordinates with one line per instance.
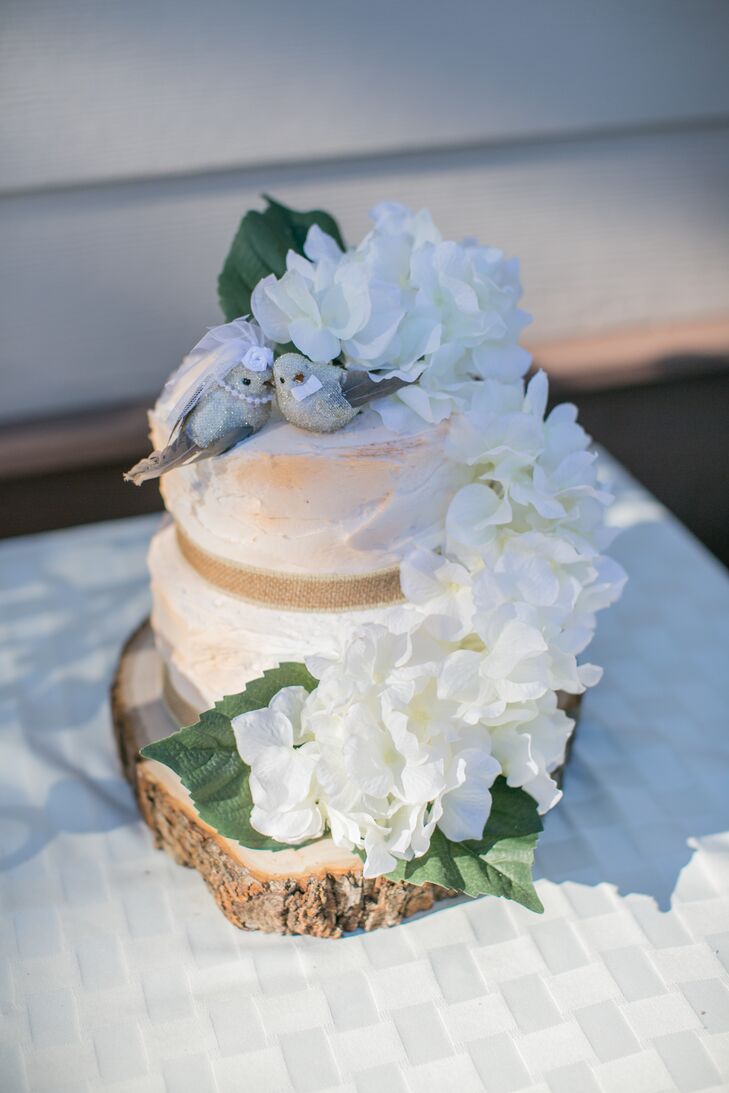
(377, 576)
(287, 516)
(330, 516)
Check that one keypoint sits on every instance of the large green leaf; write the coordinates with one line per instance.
(498, 864)
(301, 222)
(260, 247)
(205, 757)
(259, 692)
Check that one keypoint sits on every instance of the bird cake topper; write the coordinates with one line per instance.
(228, 399)
(325, 397)
(233, 387)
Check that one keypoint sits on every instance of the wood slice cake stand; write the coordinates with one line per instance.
(318, 890)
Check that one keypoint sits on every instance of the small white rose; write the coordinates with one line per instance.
(258, 358)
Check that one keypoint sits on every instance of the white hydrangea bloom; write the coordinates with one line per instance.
(408, 728)
(316, 306)
(390, 218)
(531, 745)
(444, 588)
(374, 752)
(403, 301)
(476, 516)
(282, 766)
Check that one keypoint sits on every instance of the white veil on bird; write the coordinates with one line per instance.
(209, 361)
(220, 395)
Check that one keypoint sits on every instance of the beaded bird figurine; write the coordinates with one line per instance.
(229, 399)
(238, 406)
(324, 397)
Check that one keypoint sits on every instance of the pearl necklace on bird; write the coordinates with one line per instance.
(254, 400)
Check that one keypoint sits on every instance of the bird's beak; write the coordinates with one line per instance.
(268, 383)
(299, 377)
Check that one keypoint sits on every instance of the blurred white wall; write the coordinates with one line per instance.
(591, 139)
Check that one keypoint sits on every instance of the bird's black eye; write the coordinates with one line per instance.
(246, 381)
(281, 379)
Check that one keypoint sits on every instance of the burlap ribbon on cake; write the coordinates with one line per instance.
(355, 592)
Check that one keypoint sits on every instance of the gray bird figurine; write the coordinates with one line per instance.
(324, 397)
(235, 407)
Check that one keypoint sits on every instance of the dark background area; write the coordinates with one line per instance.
(673, 435)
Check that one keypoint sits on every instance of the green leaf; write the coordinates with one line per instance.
(260, 247)
(268, 245)
(259, 692)
(499, 863)
(206, 759)
(301, 222)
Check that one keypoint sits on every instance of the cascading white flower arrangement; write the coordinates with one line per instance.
(405, 733)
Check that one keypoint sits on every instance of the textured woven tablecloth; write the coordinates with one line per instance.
(119, 971)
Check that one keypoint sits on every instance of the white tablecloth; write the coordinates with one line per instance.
(118, 970)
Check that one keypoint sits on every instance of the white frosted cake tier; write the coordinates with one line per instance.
(290, 503)
(294, 502)
(212, 643)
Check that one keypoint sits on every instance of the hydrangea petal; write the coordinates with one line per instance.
(259, 730)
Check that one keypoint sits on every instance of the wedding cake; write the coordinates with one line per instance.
(379, 570)
(281, 548)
